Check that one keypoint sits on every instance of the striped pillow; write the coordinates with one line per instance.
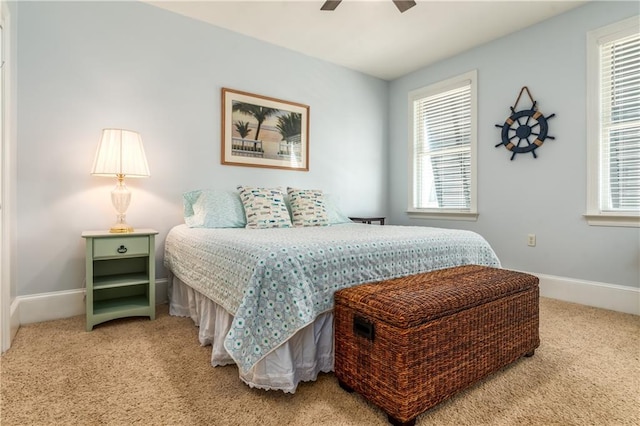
(264, 207)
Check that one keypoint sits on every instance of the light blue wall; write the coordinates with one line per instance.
(84, 66)
(9, 154)
(544, 196)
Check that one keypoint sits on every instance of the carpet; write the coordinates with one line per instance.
(135, 371)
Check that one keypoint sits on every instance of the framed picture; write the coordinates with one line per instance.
(259, 131)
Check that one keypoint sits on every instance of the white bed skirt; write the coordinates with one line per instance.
(300, 359)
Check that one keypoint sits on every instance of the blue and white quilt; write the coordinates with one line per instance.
(276, 281)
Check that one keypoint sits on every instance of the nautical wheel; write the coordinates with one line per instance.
(524, 130)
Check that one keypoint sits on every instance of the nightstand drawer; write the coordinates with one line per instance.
(109, 247)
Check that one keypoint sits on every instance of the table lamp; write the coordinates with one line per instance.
(120, 153)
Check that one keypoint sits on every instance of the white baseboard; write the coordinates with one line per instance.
(14, 319)
(600, 295)
(49, 306)
(64, 304)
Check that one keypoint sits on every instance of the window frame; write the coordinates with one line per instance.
(594, 215)
(470, 214)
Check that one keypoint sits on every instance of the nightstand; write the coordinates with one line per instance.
(120, 275)
(368, 220)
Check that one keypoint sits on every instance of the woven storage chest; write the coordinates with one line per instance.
(407, 344)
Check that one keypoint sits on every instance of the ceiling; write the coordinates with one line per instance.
(372, 36)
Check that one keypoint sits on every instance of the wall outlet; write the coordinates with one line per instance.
(531, 240)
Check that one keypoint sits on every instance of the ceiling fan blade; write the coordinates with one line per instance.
(330, 4)
(403, 5)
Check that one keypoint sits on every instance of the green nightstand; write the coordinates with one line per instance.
(120, 275)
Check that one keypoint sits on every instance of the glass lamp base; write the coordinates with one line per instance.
(121, 228)
(121, 197)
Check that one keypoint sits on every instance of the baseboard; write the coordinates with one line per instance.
(64, 304)
(14, 319)
(600, 295)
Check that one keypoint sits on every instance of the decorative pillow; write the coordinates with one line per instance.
(210, 208)
(307, 207)
(264, 207)
(333, 211)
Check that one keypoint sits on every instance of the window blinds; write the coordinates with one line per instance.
(620, 138)
(442, 144)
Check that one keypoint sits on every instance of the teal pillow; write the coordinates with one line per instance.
(334, 213)
(210, 208)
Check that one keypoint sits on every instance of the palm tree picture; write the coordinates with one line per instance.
(264, 132)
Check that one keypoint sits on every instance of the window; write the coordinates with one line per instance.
(442, 146)
(613, 129)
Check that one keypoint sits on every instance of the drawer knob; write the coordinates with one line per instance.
(122, 249)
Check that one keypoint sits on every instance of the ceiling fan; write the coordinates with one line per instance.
(402, 5)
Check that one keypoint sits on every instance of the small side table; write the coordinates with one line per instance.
(368, 220)
(120, 275)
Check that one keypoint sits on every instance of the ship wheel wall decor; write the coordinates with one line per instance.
(524, 130)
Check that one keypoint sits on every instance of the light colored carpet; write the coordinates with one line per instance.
(136, 371)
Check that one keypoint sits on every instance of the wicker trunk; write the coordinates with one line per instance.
(407, 344)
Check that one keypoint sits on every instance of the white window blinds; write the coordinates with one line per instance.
(442, 149)
(620, 124)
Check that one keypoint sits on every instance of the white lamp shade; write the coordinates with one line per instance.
(120, 152)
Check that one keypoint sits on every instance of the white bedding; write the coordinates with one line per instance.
(300, 359)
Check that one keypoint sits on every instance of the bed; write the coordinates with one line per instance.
(263, 298)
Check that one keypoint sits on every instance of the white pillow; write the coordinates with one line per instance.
(264, 207)
(307, 207)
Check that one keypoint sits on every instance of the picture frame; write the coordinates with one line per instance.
(260, 131)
